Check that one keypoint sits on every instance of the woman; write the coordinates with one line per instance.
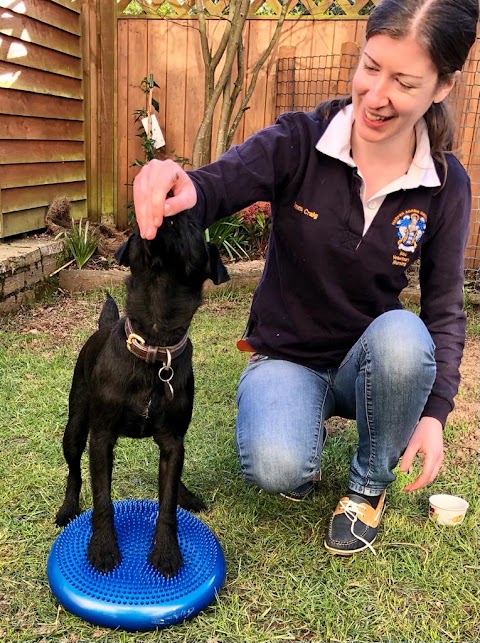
(359, 189)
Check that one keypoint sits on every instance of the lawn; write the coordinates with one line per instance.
(281, 584)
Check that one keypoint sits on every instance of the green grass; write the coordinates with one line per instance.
(281, 584)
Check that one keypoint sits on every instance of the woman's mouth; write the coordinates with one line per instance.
(376, 118)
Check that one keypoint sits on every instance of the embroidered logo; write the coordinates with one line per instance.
(410, 225)
(309, 213)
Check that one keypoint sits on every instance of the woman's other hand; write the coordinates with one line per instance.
(427, 440)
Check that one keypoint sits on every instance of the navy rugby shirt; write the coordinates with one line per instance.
(324, 281)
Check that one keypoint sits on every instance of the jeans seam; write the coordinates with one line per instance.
(368, 412)
(320, 426)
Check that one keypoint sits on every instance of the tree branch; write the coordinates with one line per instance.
(256, 70)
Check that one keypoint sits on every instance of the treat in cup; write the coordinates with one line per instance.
(447, 510)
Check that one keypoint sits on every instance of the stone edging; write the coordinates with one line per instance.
(242, 274)
(23, 265)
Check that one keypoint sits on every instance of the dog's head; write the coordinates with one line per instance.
(178, 249)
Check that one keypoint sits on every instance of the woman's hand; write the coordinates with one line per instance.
(150, 189)
(427, 440)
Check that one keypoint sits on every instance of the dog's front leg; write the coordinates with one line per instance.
(166, 556)
(74, 443)
(103, 551)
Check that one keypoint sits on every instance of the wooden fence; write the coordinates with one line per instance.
(70, 76)
(170, 50)
(42, 114)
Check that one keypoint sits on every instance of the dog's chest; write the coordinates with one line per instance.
(139, 419)
(146, 411)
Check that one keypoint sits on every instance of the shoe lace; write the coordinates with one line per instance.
(351, 510)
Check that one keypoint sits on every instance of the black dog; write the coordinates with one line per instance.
(134, 377)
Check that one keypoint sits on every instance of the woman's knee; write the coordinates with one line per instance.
(271, 466)
(399, 341)
(280, 407)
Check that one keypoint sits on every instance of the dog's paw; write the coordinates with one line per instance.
(103, 555)
(189, 501)
(167, 563)
(194, 504)
(66, 515)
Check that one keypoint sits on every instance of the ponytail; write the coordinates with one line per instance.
(441, 130)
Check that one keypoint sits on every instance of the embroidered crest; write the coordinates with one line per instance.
(410, 225)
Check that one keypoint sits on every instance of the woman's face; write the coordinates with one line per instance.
(393, 86)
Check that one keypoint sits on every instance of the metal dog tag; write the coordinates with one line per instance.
(166, 374)
(169, 391)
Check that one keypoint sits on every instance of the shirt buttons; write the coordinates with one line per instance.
(372, 205)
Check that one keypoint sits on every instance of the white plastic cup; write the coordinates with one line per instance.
(447, 510)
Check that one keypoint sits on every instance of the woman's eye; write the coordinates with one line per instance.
(404, 85)
(369, 67)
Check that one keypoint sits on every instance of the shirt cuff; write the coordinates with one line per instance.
(437, 407)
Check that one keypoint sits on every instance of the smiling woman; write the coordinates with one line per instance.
(445, 31)
(326, 329)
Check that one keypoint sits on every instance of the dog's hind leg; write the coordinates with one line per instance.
(103, 552)
(74, 442)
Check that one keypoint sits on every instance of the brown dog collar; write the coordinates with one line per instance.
(151, 354)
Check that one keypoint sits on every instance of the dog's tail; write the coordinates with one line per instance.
(110, 313)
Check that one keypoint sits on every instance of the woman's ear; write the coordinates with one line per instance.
(446, 87)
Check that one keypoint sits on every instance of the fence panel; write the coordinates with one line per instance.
(41, 105)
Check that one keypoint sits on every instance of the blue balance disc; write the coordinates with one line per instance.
(134, 596)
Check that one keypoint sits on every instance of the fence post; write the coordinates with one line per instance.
(98, 38)
(348, 61)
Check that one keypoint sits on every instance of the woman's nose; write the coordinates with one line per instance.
(377, 93)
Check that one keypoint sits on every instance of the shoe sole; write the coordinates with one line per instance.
(292, 499)
(343, 552)
(298, 497)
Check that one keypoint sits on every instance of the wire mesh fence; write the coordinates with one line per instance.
(304, 82)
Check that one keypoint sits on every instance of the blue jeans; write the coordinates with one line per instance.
(383, 383)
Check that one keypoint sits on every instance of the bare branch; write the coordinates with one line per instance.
(256, 70)
(238, 23)
(228, 105)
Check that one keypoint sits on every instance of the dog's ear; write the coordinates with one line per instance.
(216, 271)
(122, 254)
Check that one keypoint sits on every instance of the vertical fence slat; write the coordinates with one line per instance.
(122, 120)
(194, 89)
(255, 116)
(136, 99)
(175, 88)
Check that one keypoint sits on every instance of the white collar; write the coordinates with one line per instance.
(336, 142)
